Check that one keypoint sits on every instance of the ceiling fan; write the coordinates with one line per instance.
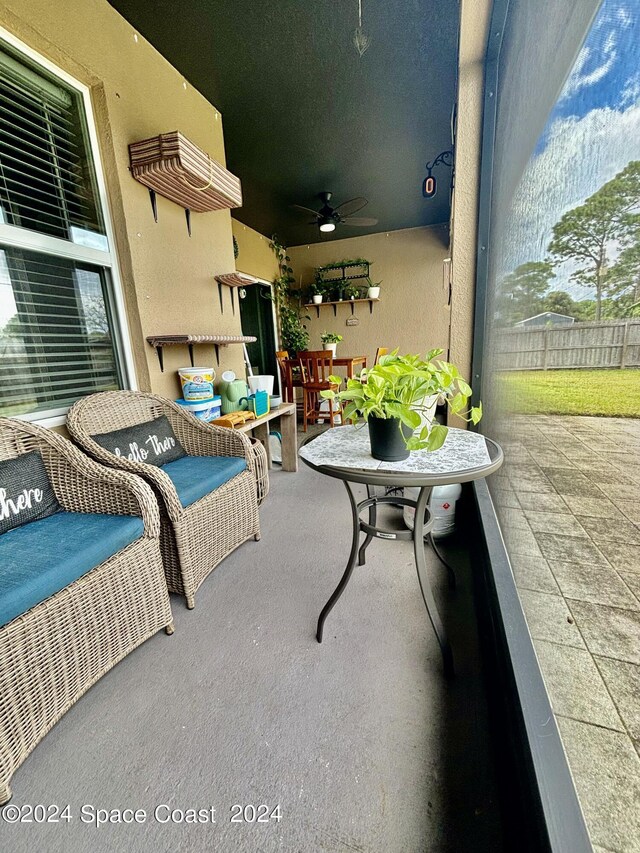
(328, 216)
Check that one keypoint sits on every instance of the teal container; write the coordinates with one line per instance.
(257, 403)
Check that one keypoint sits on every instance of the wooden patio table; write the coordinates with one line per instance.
(288, 429)
(350, 362)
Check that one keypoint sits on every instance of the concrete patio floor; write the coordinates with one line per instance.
(568, 498)
(360, 740)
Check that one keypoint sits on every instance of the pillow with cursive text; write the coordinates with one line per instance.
(25, 491)
(153, 442)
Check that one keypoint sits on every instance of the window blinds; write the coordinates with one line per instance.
(56, 328)
(46, 174)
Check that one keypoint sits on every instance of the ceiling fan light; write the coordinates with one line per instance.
(327, 225)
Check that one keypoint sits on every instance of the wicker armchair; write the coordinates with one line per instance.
(51, 654)
(195, 539)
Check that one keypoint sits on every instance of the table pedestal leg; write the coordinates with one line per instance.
(372, 521)
(423, 580)
(450, 573)
(350, 565)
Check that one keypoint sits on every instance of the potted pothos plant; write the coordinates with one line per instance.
(398, 401)
(330, 341)
(352, 291)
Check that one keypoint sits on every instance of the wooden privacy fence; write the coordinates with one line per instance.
(612, 343)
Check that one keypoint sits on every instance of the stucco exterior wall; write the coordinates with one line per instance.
(474, 23)
(254, 255)
(412, 313)
(167, 276)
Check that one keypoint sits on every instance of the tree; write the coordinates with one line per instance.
(522, 291)
(560, 302)
(585, 233)
(624, 276)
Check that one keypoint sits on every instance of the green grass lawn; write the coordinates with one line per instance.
(608, 393)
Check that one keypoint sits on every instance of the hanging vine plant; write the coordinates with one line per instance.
(293, 332)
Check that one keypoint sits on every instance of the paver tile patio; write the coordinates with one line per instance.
(542, 503)
(606, 769)
(623, 557)
(631, 509)
(533, 573)
(556, 523)
(549, 618)
(575, 685)
(609, 631)
(583, 506)
(594, 583)
(600, 507)
(632, 580)
(619, 530)
(623, 681)
(571, 483)
(569, 548)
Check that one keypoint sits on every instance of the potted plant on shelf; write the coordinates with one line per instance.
(373, 290)
(317, 292)
(398, 402)
(330, 341)
(352, 291)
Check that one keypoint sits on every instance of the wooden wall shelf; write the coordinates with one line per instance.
(233, 280)
(160, 341)
(335, 304)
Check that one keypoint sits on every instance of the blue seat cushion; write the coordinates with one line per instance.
(196, 476)
(41, 558)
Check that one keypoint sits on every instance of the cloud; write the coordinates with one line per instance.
(624, 17)
(581, 154)
(631, 91)
(580, 78)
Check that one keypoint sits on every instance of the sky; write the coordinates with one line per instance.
(592, 133)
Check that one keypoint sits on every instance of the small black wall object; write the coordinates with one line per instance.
(154, 204)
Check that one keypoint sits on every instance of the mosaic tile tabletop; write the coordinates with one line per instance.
(348, 447)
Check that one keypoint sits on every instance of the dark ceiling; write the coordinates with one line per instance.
(303, 112)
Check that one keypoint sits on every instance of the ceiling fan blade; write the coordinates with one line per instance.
(351, 206)
(359, 221)
(306, 210)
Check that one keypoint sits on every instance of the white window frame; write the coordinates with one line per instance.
(32, 240)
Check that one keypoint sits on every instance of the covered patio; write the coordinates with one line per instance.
(228, 229)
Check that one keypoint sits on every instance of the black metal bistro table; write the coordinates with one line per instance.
(344, 453)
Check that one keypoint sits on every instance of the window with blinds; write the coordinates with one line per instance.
(58, 336)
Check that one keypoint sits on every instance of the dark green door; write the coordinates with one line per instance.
(256, 312)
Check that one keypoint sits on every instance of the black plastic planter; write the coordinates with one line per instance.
(387, 443)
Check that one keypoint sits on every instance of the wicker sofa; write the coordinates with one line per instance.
(195, 534)
(72, 614)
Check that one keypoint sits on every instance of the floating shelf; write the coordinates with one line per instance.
(160, 341)
(233, 280)
(351, 302)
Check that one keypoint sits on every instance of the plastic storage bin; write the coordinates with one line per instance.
(205, 410)
(197, 383)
